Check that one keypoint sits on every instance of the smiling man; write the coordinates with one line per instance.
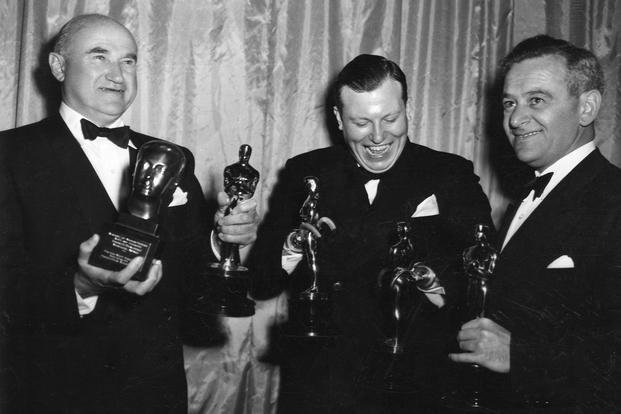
(555, 323)
(374, 180)
(82, 338)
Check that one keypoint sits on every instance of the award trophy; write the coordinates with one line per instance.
(479, 261)
(159, 166)
(399, 283)
(240, 181)
(311, 310)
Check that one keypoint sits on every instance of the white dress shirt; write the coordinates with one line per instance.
(110, 162)
(560, 169)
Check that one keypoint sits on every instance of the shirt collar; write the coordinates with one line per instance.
(72, 119)
(564, 165)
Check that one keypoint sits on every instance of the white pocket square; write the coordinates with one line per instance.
(428, 207)
(562, 262)
(180, 197)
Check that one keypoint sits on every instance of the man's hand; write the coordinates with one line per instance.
(239, 227)
(91, 280)
(487, 344)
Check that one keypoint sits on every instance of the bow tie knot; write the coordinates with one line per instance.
(119, 136)
(537, 184)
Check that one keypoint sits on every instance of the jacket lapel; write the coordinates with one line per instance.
(506, 222)
(406, 185)
(550, 219)
(79, 177)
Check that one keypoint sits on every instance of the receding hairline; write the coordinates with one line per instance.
(583, 69)
(385, 80)
(74, 26)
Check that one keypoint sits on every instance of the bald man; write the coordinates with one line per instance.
(82, 338)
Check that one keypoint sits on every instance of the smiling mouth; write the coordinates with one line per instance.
(115, 90)
(377, 151)
(527, 134)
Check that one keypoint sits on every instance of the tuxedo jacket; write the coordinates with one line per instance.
(126, 355)
(351, 258)
(565, 323)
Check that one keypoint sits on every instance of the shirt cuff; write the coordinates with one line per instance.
(215, 245)
(85, 306)
(290, 260)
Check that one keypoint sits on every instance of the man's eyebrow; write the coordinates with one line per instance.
(357, 117)
(538, 92)
(98, 49)
(529, 93)
(394, 113)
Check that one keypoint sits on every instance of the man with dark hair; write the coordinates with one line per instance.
(376, 179)
(361, 77)
(555, 320)
(584, 72)
(82, 338)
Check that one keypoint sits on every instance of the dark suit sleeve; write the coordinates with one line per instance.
(265, 258)
(186, 254)
(30, 292)
(462, 206)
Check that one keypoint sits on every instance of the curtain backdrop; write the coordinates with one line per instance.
(216, 74)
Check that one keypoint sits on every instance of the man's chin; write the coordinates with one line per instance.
(377, 168)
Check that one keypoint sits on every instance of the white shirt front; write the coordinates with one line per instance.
(560, 169)
(110, 162)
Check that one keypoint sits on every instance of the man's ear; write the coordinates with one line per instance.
(337, 114)
(57, 65)
(590, 102)
(408, 111)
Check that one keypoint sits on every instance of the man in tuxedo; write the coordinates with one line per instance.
(82, 338)
(555, 315)
(374, 180)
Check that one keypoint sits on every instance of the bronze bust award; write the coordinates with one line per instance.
(159, 166)
(240, 182)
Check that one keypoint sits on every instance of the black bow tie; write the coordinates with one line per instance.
(538, 184)
(120, 135)
(368, 175)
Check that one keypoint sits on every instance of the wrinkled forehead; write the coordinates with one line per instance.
(538, 72)
(105, 33)
(380, 101)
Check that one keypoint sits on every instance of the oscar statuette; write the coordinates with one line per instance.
(159, 165)
(240, 182)
(311, 310)
(400, 285)
(479, 261)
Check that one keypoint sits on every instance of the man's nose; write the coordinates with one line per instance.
(377, 136)
(115, 73)
(518, 117)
